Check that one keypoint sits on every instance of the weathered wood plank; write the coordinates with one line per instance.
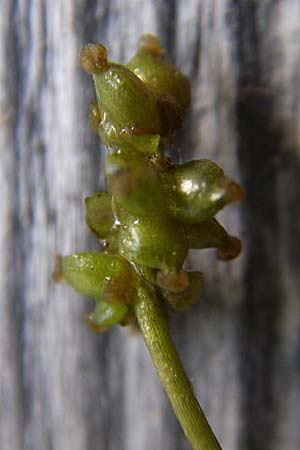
(61, 387)
(11, 399)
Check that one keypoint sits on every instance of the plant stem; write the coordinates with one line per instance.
(155, 330)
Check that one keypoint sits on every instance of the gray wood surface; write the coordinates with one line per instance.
(63, 388)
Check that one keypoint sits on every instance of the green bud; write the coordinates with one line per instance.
(198, 190)
(161, 77)
(125, 103)
(157, 242)
(134, 183)
(184, 300)
(108, 314)
(100, 276)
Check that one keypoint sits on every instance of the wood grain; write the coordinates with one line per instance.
(61, 387)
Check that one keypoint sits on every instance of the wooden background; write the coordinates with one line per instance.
(63, 388)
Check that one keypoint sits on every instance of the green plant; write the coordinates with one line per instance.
(153, 213)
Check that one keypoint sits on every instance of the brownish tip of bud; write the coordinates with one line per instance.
(95, 328)
(93, 58)
(234, 192)
(151, 43)
(231, 250)
(176, 282)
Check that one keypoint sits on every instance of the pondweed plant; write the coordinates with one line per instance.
(153, 213)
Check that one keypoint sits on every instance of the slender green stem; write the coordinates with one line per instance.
(154, 327)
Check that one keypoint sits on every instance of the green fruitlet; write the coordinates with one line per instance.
(100, 276)
(154, 241)
(198, 189)
(134, 183)
(126, 105)
(162, 78)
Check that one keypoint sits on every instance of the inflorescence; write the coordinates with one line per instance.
(155, 210)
